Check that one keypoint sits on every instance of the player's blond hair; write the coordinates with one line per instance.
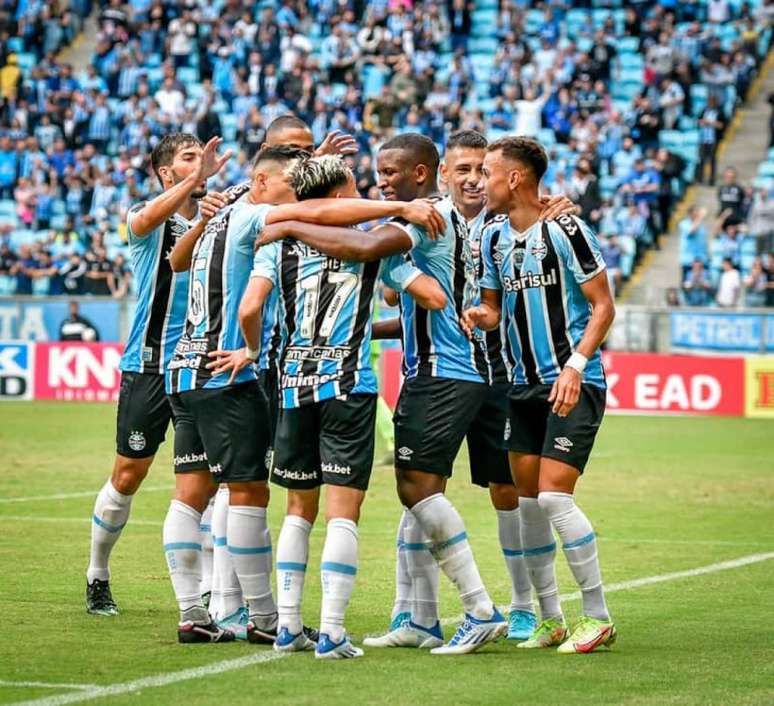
(316, 177)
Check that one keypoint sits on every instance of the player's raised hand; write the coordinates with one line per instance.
(212, 162)
(422, 213)
(223, 361)
(566, 391)
(555, 206)
(210, 204)
(337, 142)
(470, 320)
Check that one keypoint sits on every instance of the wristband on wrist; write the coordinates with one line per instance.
(251, 353)
(577, 361)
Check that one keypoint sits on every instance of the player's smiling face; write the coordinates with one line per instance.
(396, 175)
(496, 182)
(463, 173)
(186, 161)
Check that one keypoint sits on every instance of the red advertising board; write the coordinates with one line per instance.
(655, 384)
(646, 383)
(77, 371)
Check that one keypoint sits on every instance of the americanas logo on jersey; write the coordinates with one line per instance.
(16, 370)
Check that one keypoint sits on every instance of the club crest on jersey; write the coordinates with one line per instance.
(137, 441)
(539, 249)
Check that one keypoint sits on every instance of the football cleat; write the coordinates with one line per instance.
(236, 623)
(408, 634)
(190, 633)
(588, 635)
(287, 642)
(521, 625)
(99, 600)
(327, 649)
(549, 633)
(474, 633)
(266, 636)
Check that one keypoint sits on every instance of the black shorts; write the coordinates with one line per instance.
(432, 417)
(144, 413)
(329, 442)
(488, 457)
(269, 382)
(232, 425)
(534, 429)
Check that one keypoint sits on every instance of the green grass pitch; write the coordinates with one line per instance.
(665, 495)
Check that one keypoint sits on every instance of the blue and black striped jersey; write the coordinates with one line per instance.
(433, 343)
(545, 313)
(325, 310)
(220, 270)
(159, 315)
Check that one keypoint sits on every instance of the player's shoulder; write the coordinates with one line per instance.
(494, 224)
(571, 227)
(236, 191)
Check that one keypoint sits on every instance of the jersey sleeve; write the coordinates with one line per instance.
(579, 249)
(266, 263)
(255, 220)
(133, 239)
(416, 234)
(490, 276)
(398, 273)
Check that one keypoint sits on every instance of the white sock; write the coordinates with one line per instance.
(580, 549)
(183, 550)
(539, 549)
(509, 530)
(402, 579)
(338, 570)
(292, 557)
(443, 525)
(205, 528)
(111, 511)
(249, 544)
(425, 574)
(226, 591)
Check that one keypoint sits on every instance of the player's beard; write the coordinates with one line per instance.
(197, 193)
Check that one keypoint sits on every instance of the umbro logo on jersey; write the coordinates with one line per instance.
(562, 443)
(137, 441)
(405, 453)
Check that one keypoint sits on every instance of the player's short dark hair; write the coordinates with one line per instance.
(280, 154)
(164, 152)
(317, 177)
(285, 122)
(525, 150)
(472, 139)
(420, 148)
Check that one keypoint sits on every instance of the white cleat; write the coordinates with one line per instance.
(409, 634)
(327, 649)
(473, 634)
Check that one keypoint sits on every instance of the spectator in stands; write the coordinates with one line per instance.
(693, 239)
(632, 223)
(711, 125)
(756, 285)
(72, 272)
(611, 254)
(731, 197)
(761, 220)
(584, 190)
(77, 327)
(120, 278)
(729, 233)
(697, 287)
(99, 273)
(24, 269)
(671, 102)
(729, 286)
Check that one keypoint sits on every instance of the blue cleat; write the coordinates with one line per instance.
(287, 642)
(474, 633)
(327, 649)
(521, 625)
(236, 623)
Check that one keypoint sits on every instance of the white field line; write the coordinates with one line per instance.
(48, 685)
(242, 662)
(620, 540)
(68, 496)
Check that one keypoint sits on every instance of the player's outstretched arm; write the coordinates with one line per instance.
(342, 243)
(426, 291)
(386, 330)
(180, 255)
(349, 212)
(166, 204)
(485, 316)
(566, 390)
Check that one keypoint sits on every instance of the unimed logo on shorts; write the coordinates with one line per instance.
(16, 366)
(78, 371)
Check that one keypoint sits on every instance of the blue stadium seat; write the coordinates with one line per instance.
(628, 45)
(766, 169)
(187, 75)
(26, 60)
(228, 124)
(7, 285)
(15, 44)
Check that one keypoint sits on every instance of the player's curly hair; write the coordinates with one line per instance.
(525, 150)
(317, 177)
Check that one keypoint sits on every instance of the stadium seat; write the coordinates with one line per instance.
(628, 45)
(766, 169)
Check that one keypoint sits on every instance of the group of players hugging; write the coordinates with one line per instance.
(252, 335)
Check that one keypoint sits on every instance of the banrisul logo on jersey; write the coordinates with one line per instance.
(16, 370)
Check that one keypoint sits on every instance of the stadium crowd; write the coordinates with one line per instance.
(630, 102)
